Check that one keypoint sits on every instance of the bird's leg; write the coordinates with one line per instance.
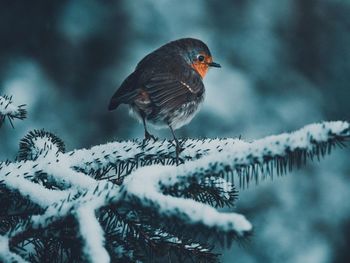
(147, 134)
(179, 149)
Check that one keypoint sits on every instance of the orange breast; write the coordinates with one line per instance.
(201, 68)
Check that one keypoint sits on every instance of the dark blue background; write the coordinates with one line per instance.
(284, 64)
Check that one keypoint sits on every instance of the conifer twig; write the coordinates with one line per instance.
(9, 111)
(77, 185)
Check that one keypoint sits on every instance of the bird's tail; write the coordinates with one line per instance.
(125, 94)
(113, 104)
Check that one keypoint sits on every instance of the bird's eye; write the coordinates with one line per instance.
(200, 58)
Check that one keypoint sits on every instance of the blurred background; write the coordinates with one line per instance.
(284, 64)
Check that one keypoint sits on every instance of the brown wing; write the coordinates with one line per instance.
(168, 92)
(165, 91)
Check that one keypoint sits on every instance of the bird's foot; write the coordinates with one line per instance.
(148, 137)
(178, 150)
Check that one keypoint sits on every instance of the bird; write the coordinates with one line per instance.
(166, 88)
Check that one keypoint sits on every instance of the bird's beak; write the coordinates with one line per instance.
(215, 65)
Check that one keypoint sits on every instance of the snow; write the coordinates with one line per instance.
(7, 107)
(203, 158)
(159, 234)
(103, 155)
(93, 235)
(5, 254)
(43, 145)
(65, 175)
(102, 194)
(220, 183)
(145, 184)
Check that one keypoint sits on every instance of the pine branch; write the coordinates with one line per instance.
(215, 191)
(126, 156)
(246, 161)
(140, 228)
(6, 255)
(10, 111)
(39, 143)
(92, 234)
(146, 191)
(176, 201)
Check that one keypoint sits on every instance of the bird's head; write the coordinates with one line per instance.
(197, 54)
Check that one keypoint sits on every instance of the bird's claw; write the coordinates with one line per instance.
(148, 137)
(178, 150)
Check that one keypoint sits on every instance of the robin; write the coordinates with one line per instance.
(167, 87)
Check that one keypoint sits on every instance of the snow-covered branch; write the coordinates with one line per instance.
(125, 156)
(39, 142)
(6, 255)
(10, 111)
(129, 191)
(92, 234)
